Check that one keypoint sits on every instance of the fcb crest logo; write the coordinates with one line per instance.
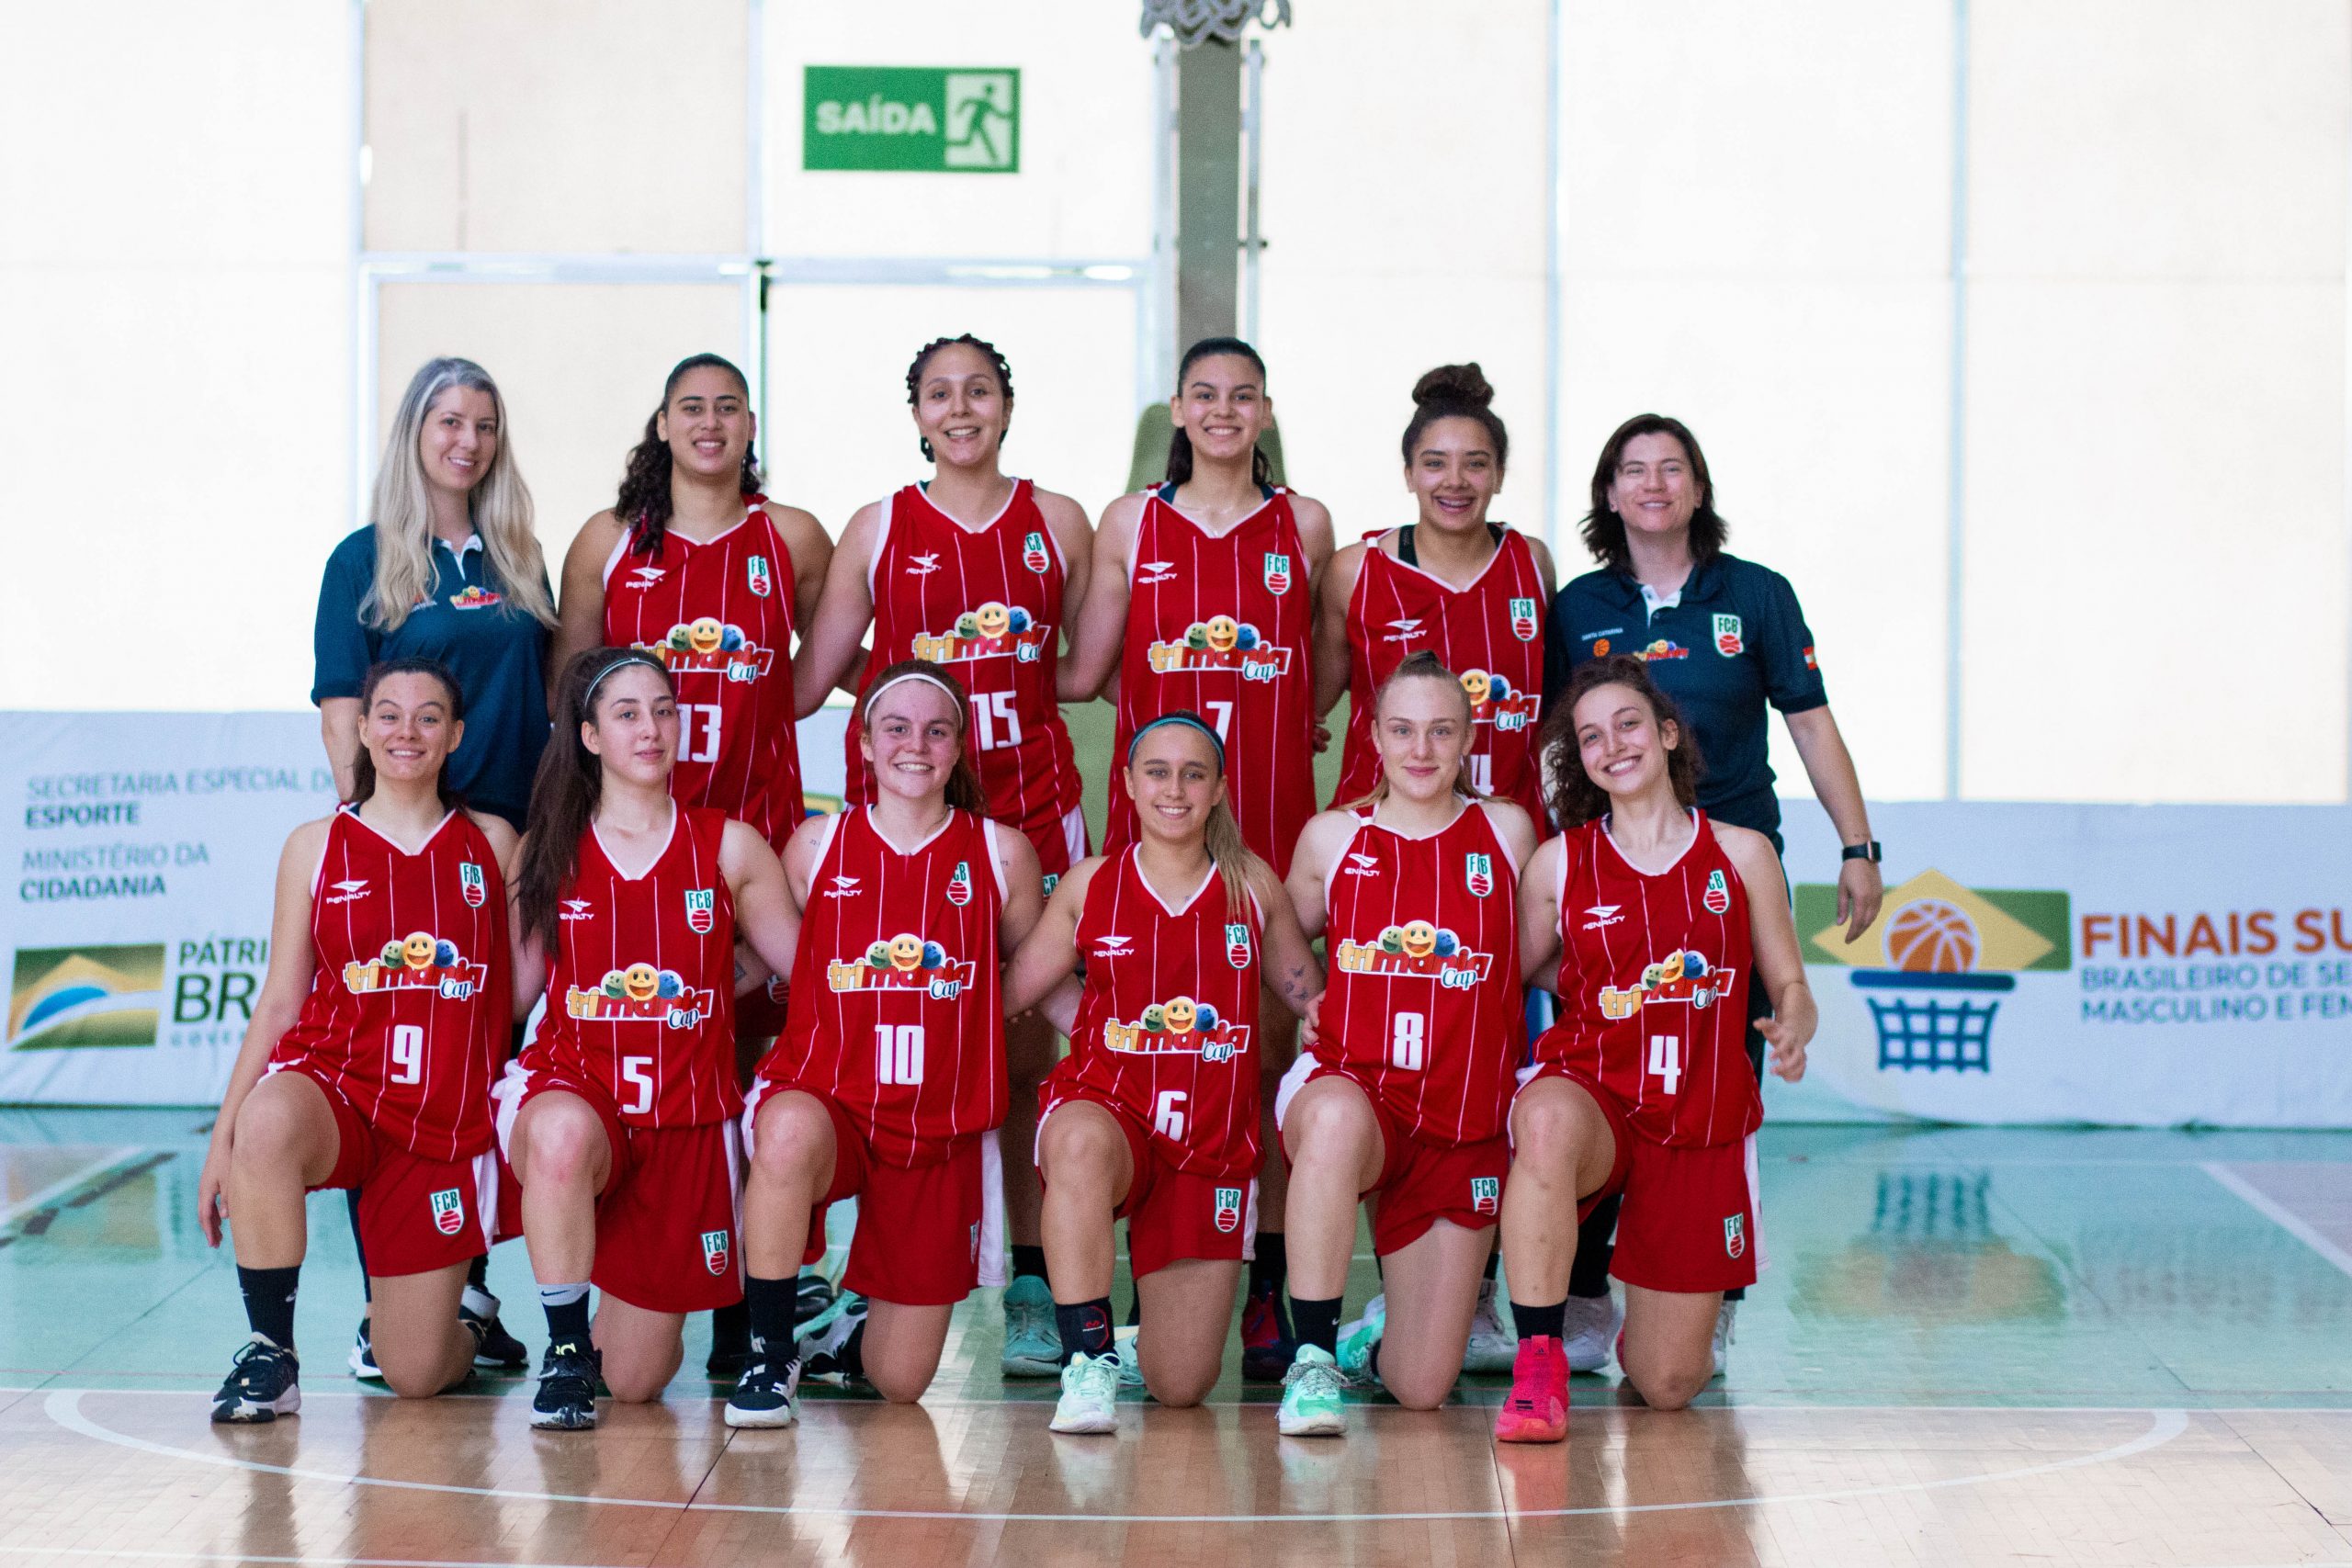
(1486, 1194)
(1228, 1209)
(959, 886)
(702, 909)
(756, 578)
(1727, 637)
(1479, 874)
(1034, 554)
(469, 883)
(1277, 572)
(1735, 1235)
(1237, 945)
(1717, 897)
(715, 1251)
(1524, 623)
(448, 1211)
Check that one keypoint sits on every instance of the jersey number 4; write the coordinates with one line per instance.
(1666, 1060)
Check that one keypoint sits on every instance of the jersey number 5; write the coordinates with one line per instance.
(897, 1053)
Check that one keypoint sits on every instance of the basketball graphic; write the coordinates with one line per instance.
(1931, 937)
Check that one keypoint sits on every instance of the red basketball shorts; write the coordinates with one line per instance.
(1688, 1222)
(668, 1219)
(1172, 1215)
(1420, 1181)
(921, 1231)
(415, 1214)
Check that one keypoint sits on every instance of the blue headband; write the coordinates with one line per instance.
(1190, 721)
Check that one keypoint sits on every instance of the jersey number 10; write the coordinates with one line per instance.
(897, 1053)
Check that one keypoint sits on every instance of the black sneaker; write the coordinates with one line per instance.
(1268, 1344)
(731, 1343)
(764, 1396)
(825, 1344)
(812, 1293)
(567, 1396)
(261, 1385)
(497, 1350)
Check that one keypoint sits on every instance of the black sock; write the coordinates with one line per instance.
(1736, 1293)
(478, 1273)
(567, 1320)
(1085, 1326)
(1588, 1275)
(269, 1302)
(1028, 1261)
(1540, 1323)
(1494, 1261)
(1317, 1323)
(772, 1304)
(351, 1204)
(731, 1325)
(1270, 1268)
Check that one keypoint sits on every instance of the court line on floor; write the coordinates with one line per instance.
(69, 1185)
(155, 1555)
(2278, 1215)
(64, 1408)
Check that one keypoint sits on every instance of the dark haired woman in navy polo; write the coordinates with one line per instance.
(1724, 638)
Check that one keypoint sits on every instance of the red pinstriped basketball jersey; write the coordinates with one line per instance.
(1424, 997)
(1654, 977)
(986, 602)
(718, 613)
(895, 1010)
(1167, 1024)
(410, 1007)
(1490, 633)
(641, 991)
(1224, 626)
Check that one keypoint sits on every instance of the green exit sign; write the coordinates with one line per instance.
(954, 120)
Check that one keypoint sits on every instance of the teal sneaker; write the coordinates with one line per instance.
(1359, 1339)
(1312, 1405)
(1089, 1395)
(1033, 1345)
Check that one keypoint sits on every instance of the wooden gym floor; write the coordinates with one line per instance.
(1974, 1347)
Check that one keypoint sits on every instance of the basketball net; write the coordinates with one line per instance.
(1194, 22)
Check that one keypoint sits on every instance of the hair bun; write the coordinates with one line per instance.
(1454, 384)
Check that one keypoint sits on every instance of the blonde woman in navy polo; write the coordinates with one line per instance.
(449, 570)
(1725, 638)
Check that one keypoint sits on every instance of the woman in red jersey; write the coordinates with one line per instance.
(619, 1116)
(1202, 599)
(889, 1080)
(980, 573)
(369, 1061)
(1401, 1098)
(1153, 1117)
(1652, 918)
(1449, 583)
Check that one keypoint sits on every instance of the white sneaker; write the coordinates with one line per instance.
(1492, 1348)
(1313, 1403)
(1090, 1401)
(1359, 1339)
(1589, 1331)
(1129, 1344)
(1723, 1334)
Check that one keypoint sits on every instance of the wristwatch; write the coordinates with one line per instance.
(1869, 851)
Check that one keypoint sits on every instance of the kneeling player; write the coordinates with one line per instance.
(1653, 917)
(1402, 1098)
(619, 1116)
(368, 1059)
(890, 1075)
(1153, 1116)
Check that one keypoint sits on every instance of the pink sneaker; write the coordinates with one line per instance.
(1537, 1410)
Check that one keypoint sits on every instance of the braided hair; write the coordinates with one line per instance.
(922, 357)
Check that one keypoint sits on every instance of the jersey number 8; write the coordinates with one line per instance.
(1405, 1046)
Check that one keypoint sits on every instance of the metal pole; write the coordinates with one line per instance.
(1555, 166)
(1956, 493)
(755, 239)
(1208, 190)
(360, 300)
(1155, 365)
(1253, 123)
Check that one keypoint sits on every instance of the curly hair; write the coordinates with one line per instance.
(643, 505)
(1573, 797)
(922, 356)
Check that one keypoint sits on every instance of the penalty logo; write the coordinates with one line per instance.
(715, 1251)
(1735, 1235)
(1228, 1209)
(469, 883)
(702, 906)
(448, 1211)
(1486, 1194)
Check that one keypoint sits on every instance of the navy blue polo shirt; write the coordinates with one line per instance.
(497, 653)
(1734, 642)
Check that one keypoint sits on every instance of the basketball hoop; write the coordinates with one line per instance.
(1194, 22)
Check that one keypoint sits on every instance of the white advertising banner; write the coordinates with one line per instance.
(2163, 966)
(145, 851)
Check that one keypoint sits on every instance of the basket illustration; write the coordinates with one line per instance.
(1933, 1022)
